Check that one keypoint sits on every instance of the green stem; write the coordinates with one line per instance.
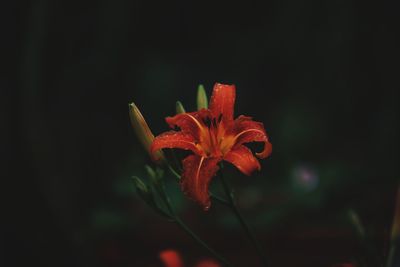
(201, 242)
(195, 237)
(390, 257)
(172, 170)
(241, 220)
(174, 159)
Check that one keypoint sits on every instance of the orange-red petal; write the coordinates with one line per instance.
(266, 151)
(173, 139)
(243, 159)
(171, 258)
(189, 122)
(196, 178)
(222, 101)
(246, 130)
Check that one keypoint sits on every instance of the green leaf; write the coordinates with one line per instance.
(202, 101)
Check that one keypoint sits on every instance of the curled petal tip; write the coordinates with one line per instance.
(173, 139)
(266, 152)
(243, 159)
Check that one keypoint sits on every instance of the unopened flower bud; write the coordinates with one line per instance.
(147, 193)
(141, 188)
(155, 175)
(143, 131)
(179, 108)
(202, 101)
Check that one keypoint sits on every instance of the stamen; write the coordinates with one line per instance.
(195, 120)
(198, 173)
(207, 122)
(250, 130)
(214, 121)
(220, 118)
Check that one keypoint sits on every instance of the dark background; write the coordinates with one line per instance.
(319, 74)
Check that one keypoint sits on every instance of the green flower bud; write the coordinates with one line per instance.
(143, 131)
(148, 195)
(155, 175)
(179, 108)
(150, 171)
(202, 101)
(142, 189)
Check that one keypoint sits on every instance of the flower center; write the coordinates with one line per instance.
(213, 139)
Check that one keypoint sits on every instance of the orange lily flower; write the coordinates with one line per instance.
(213, 135)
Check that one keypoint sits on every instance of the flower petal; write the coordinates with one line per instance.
(190, 122)
(222, 101)
(196, 177)
(246, 130)
(171, 258)
(243, 159)
(173, 139)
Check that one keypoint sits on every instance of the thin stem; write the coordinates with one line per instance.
(201, 242)
(390, 257)
(172, 157)
(241, 220)
(181, 224)
(172, 170)
(219, 199)
(394, 240)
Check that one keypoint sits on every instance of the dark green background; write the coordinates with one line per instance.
(318, 74)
